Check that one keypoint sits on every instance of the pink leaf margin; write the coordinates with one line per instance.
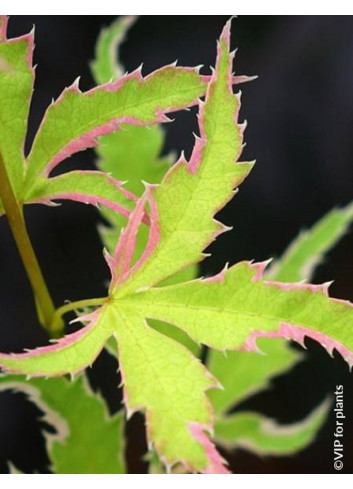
(292, 331)
(119, 264)
(89, 198)
(192, 166)
(216, 463)
(3, 27)
(29, 39)
(60, 344)
(89, 139)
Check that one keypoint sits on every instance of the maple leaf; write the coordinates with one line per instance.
(106, 65)
(229, 311)
(306, 252)
(133, 155)
(75, 120)
(261, 435)
(80, 419)
(243, 373)
(16, 85)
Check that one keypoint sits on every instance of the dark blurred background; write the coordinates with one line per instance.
(300, 115)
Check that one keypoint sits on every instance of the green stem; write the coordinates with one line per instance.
(72, 306)
(17, 224)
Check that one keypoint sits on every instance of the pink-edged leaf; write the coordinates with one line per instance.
(69, 355)
(192, 192)
(16, 86)
(234, 308)
(162, 378)
(75, 120)
(120, 264)
(229, 311)
(88, 187)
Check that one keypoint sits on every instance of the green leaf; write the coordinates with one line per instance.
(71, 354)
(172, 392)
(181, 436)
(16, 86)
(307, 250)
(191, 193)
(243, 373)
(132, 155)
(105, 66)
(229, 311)
(255, 432)
(90, 187)
(87, 439)
(74, 121)
(232, 309)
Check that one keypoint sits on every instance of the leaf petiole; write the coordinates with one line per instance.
(13, 209)
(72, 306)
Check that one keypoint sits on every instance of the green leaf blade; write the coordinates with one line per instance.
(74, 121)
(263, 436)
(69, 355)
(105, 66)
(171, 392)
(229, 311)
(306, 251)
(16, 86)
(243, 373)
(191, 193)
(133, 155)
(89, 187)
(234, 308)
(80, 419)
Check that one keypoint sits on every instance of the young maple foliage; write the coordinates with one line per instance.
(73, 122)
(241, 373)
(229, 311)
